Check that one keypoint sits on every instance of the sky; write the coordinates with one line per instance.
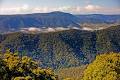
(70, 6)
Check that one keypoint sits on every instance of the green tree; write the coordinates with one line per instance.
(105, 67)
(13, 67)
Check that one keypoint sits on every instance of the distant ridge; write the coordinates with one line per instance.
(52, 19)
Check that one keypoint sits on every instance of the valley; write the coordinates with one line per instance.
(59, 39)
(63, 49)
(56, 19)
(59, 46)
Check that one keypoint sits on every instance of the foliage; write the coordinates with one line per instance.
(68, 79)
(105, 67)
(13, 67)
(72, 73)
(63, 49)
(23, 78)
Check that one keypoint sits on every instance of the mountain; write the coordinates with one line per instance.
(53, 19)
(63, 48)
(10, 23)
(99, 18)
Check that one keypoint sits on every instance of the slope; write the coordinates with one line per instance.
(64, 48)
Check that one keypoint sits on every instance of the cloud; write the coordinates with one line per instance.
(15, 9)
(101, 10)
(69, 9)
(92, 7)
(49, 9)
(110, 10)
(25, 8)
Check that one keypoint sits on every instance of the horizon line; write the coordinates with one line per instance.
(61, 12)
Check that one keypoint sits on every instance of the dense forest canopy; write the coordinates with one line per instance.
(63, 48)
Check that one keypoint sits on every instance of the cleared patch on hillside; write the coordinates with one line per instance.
(74, 73)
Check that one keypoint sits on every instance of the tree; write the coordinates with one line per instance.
(105, 67)
(13, 67)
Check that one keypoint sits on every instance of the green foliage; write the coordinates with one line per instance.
(23, 78)
(48, 48)
(13, 67)
(63, 49)
(105, 67)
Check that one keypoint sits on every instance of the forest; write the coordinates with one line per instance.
(63, 49)
(59, 39)
(63, 55)
(13, 67)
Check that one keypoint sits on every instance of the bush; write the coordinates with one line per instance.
(105, 67)
(13, 67)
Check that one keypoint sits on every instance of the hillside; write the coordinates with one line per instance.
(12, 23)
(53, 19)
(74, 73)
(99, 18)
(64, 48)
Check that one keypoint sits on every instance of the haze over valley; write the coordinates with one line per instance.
(56, 21)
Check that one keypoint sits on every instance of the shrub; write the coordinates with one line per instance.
(105, 67)
(13, 67)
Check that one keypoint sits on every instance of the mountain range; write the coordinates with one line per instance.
(52, 19)
(58, 39)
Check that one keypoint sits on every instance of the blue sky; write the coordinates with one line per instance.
(71, 6)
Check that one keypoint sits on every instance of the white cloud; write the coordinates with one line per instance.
(92, 7)
(15, 9)
(25, 7)
(49, 9)
(101, 10)
(71, 9)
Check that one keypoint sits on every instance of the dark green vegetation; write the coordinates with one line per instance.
(65, 48)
